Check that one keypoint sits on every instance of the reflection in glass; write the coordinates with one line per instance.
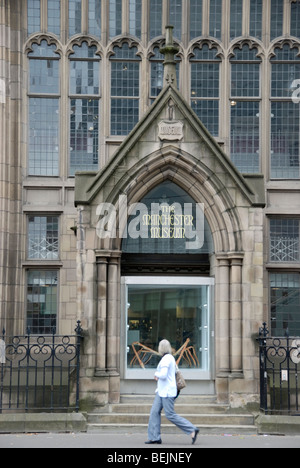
(177, 313)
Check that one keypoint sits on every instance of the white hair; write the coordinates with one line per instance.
(164, 347)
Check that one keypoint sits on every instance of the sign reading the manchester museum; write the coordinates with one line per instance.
(170, 130)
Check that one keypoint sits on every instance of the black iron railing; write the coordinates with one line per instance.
(279, 373)
(40, 373)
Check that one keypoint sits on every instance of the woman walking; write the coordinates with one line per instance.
(166, 394)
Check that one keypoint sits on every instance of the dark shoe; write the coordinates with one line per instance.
(195, 436)
(158, 442)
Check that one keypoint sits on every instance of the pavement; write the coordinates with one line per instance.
(125, 442)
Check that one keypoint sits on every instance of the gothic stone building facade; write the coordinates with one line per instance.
(105, 120)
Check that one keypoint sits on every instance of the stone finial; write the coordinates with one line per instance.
(169, 51)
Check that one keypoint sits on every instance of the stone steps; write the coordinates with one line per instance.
(132, 416)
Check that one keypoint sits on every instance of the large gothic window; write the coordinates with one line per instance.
(125, 89)
(44, 104)
(285, 114)
(84, 108)
(245, 109)
(205, 86)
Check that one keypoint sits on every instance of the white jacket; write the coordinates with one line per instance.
(166, 385)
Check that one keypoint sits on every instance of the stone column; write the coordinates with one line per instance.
(223, 329)
(113, 338)
(101, 316)
(236, 348)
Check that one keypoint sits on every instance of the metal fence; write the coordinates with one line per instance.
(279, 373)
(40, 373)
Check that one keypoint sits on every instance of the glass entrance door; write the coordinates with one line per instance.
(178, 309)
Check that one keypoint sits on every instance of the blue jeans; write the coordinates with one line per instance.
(167, 404)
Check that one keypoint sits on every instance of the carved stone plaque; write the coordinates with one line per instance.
(170, 130)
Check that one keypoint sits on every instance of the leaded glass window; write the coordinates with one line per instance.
(54, 16)
(33, 16)
(256, 12)
(215, 18)
(195, 18)
(236, 18)
(42, 299)
(95, 17)
(74, 17)
(285, 114)
(284, 240)
(125, 89)
(295, 18)
(43, 238)
(44, 103)
(155, 18)
(285, 304)
(115, 18)
(84, 108)
(175, 17)
(205, 84)
(135, 18)
(245, 109)
(276, 18)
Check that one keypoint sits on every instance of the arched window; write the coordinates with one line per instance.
(125, 89)
(245, 109)
(285, 116)
(44, 103)
(84, 108)
(205, 84)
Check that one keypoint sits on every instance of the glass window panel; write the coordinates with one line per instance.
(43, 137)
(295, 18)
(284, 240)
(115, 18)
(245, 136)
(54, 16)
(245, 80)
(283, 77)
(276, 18)
(135, 17)
(155, 16)
(177, 312)
(125, 79)
(175, 17)
(205, 80)
(236, 18)
(285, 140)
(124, 115)
(84, 135)
(195, 19)
(215, 19)
(95, 17)
(33, 16)
(44, 76)
(42, 298)
(74, 17)
(256, 11)
(84, 77)
(43, 237)
(208, 113)
(285, 304)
